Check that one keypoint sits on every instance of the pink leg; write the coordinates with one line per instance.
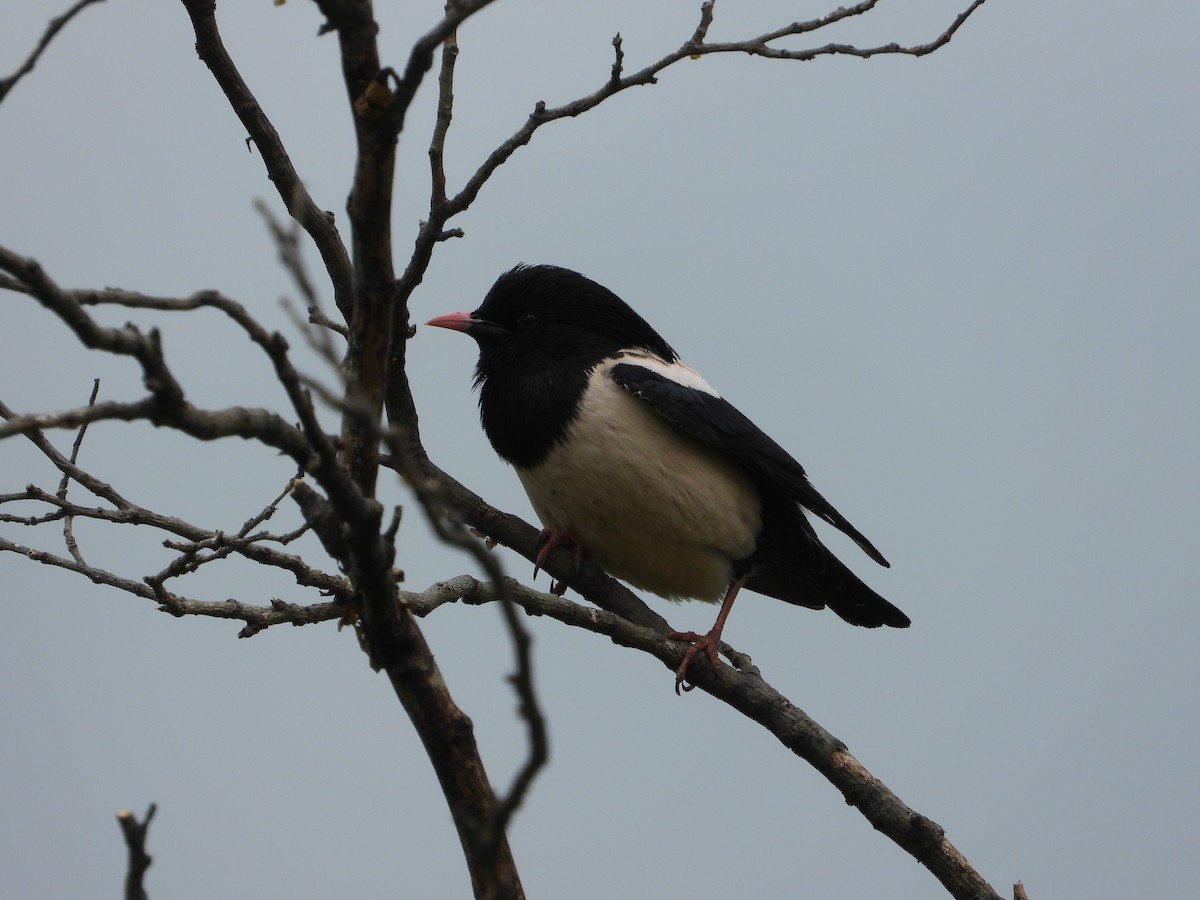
(710, 642)
(547, 542)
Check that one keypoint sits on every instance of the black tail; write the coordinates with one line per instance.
(834, 586)
(791, 564)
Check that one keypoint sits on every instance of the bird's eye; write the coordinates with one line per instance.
(529, 320)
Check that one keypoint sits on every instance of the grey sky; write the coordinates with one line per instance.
(961, 289)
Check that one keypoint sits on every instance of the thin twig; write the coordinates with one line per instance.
(166, 404)
(134, 833)
(445, 112)
(618, 65)
(56, 25)
(308, 445)
(319, 339)
(706, 19)
(219, 545)
(269, 510)
(420, 58)
(694, 47)
(257, 618)
(291, 257)
(67, 467)
(68, 520)
(125, 512)
(317, 222)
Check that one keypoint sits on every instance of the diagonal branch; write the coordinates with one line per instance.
(140, 410)
(317, 222)
(749, 694)
(257, 618)
(253, 547)
(68, 467)
(64, 482)
(420, 59)
(56, 25)
(517, 534)
(760, 46)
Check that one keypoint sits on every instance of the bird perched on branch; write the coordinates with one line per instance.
(630, 457)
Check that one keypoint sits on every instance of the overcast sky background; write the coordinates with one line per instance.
(961, 289)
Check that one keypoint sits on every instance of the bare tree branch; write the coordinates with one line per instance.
(254, 547)
(695, 47)
(309, 445)
(75, 418)
(134, 833)
(317, 222)
(257, 618)
(125, 512)
(291, 257)
(68, 531)
(56, 25)
(420, 60)
(445, 113)
(67, 467)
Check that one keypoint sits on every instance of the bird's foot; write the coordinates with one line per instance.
(547, 542)
(699, 642)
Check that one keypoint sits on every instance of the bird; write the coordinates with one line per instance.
(630, 458)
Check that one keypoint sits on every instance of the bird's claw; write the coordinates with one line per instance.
(547, 542)
(706, 642)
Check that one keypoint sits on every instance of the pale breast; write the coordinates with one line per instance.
(649, 504)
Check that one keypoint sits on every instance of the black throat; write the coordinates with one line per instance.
(527, 404)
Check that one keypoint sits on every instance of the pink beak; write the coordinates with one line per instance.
(457, 321)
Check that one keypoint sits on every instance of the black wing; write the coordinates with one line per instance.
(716, 421)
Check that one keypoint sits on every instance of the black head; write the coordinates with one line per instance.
(541, 330)
(536, 316)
